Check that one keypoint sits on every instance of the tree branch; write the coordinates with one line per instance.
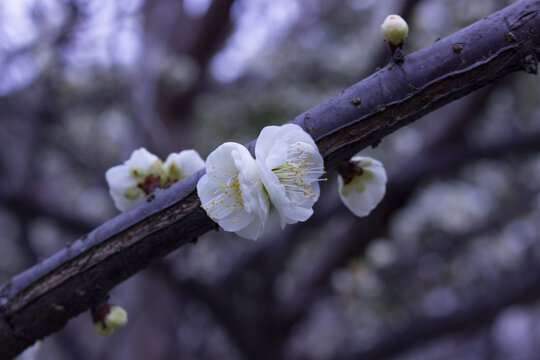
(40, 300)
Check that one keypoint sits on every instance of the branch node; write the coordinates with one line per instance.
(375, 143)
(510, 37)
(59, 309)
(458, 47)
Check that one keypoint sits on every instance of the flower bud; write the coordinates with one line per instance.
(117, 317)
(144, 172)
(107, 318)
(361, 184)
(103, 330)
(394, 29)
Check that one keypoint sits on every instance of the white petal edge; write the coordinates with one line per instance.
(271, 151)
(119, 180)
(289, 133)
(231, 160)
(142, 158)
(188, 162)
(361, 204)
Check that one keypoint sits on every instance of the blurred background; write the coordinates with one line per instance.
(447, 267)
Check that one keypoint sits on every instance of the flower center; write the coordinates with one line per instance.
(150, 183)
(299, 173)
(227, 199)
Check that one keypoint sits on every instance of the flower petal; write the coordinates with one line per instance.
(277, 154)
(231, 191)
(183, 164)
(119, 181)
(221, 157)
(365, 191)
(142, 158)
(289, 166)
(123, 179)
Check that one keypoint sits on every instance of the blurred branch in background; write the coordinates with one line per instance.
(523, 288)
(181, 46)
(268, 262)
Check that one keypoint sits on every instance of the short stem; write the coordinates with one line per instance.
(397, 53)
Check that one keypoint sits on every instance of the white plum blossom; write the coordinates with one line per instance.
(126, 181)
(362, 184)
(183, 164)
(231, 191)
(144, 172)
(289, 165)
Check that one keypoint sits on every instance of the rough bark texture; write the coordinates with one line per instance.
(40, 300)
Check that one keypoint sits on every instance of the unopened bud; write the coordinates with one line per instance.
(107, 318)
(117, 317)
(394, 29)
(103, 330)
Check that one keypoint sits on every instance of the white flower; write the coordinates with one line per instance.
(137, 177)
(394, 29)
(181, 165)
(289, 166)
(362, 184)
(232, 193)
(144, 172)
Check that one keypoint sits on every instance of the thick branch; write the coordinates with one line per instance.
(40, 300)
(436, 75)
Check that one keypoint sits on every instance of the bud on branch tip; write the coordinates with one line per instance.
(394, 30)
